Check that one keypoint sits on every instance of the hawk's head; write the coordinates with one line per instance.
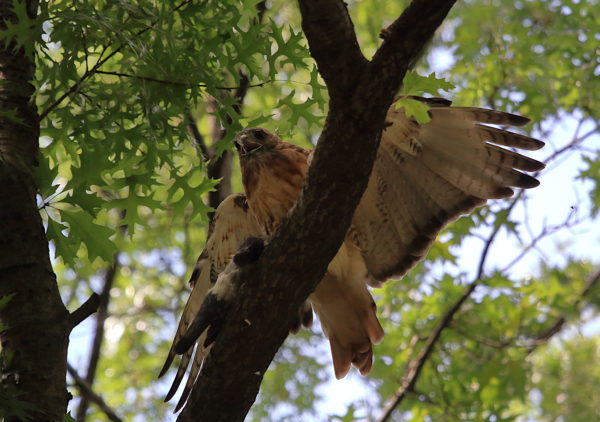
(254, 141)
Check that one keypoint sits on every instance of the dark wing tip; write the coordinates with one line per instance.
(172, 390)
(537, 144)
(430, 101)
(527, 182)
(517, 120)
(532, 165)
(183, 345)
(502, 192)
(167, 364)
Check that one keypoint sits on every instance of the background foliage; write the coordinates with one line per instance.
(123, 190)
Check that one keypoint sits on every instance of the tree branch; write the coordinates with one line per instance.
(291, 266)
(543, 337)
(416, 365)
(332, 41)
(75, 87)
(495, 344)
(85, 390)
(104, 299)
(404, 40)
(177, 83)
(197, 138)
(88, 308)
(220, 167)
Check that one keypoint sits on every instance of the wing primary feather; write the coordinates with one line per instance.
(510, 139)
(185, 360)
(232, 224)
(167, 363)
(481, 115)
(513, 159)
(193, 375)
(491, 172)
(430, 175)
(212, 311)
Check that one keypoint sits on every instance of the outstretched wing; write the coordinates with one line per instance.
(232, 224)
(427, 175)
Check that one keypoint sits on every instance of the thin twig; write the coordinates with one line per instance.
(544, 233)
(544, 336)
(97, 66)
(219, 167)
(178, 83)
(197, 137)
(86, 391)
(482, 340)
(415, 366)
(109, 279)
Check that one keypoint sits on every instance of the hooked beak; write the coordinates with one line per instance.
(245, 145)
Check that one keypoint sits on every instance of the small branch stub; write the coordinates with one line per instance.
(89, 307)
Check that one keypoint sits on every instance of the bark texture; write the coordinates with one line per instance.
(297, 257)
(34, 347)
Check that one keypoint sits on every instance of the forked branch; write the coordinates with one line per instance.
(291, 266)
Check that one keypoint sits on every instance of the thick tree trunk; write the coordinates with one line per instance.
(34, 346)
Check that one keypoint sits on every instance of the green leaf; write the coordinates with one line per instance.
(414, 108)
(22, 32)
(592, 174)
(5, 299)
(68, 418)
(94, 236)
(64, 246)
(414, 84)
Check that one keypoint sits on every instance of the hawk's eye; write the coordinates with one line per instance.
(259, 134)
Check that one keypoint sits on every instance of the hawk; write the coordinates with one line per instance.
(424, 176)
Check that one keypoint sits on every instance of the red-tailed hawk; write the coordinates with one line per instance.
(424, 176)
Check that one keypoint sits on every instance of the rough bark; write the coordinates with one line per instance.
(292, 265)
(34, 347)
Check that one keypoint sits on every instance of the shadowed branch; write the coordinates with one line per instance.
(86, 391)
(88, 308)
